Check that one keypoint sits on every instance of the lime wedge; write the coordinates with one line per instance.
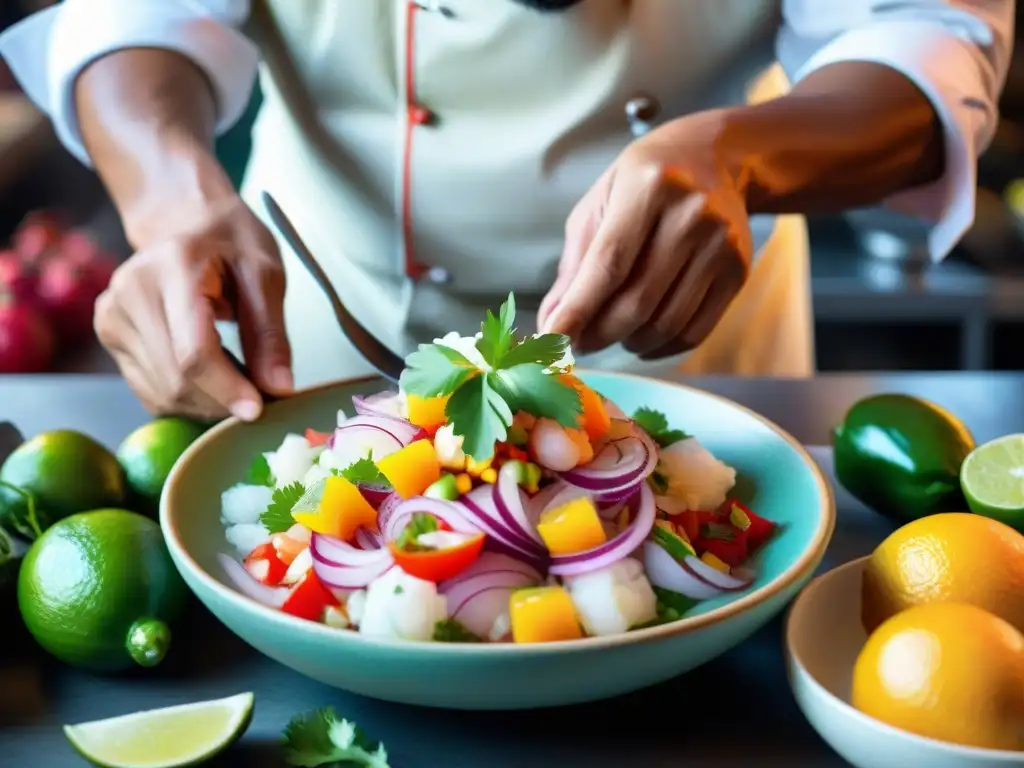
(164, 738)
(992, 479)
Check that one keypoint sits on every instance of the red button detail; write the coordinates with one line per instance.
(420, 115)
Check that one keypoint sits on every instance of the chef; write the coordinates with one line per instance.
(634, 170)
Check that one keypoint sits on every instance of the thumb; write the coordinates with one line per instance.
(261, 286)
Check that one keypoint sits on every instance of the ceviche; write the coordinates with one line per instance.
(494, 497)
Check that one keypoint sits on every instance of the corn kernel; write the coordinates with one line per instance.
(489, 475)
(714, 562)
(739, 518)
(543, 615)
(464, 483)
(476, 467)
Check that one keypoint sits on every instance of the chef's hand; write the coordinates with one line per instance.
(215, 261)
(657, 249)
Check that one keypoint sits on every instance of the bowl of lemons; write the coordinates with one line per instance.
(914, 655)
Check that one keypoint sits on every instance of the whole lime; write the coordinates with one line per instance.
(98, 591)
(148, 454)
(65, 471)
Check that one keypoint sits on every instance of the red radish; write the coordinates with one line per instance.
(78, 248)
(26, 340)
(68, 295)
(18, 278)
(37, 235)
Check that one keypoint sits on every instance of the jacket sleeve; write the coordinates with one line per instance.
(957, 53)
(48, 50)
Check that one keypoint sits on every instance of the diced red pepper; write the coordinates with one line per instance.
(441, 564)
(760, 529)
(315, 438)
(724, 541)
(309, 598)
(691, 520)
(264, 565)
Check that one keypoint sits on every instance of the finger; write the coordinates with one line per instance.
(684, 298)
(714, 306)
(633, 204)
(196, 342)
(262, 328)
(680, 233)
(117, 335)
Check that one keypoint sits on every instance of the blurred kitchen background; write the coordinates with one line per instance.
(879, 305)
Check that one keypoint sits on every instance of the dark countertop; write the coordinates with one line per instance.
(714, 716)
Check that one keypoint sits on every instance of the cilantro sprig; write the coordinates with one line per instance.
(483, 400)
(452, 631)
(259, 472)
(655, 424)
(322, 738)
(363, 472)
(277, 517)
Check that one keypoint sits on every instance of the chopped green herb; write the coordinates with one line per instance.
(321, 738)
(672, 606)
(421, 523)
(399, 590)
(717, 531)
(678, 547)
(482, 402)
(655, 424)
(451, 631)
(259, 472)
(277, 518)
(363, 472)
(658, 482)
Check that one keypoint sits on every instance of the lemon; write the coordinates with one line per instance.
(164, 738)
(921, 672)
(148, 454)
(98, 590)
(949, 558)
(992, 479)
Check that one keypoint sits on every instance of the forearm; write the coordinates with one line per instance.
(147, 118)
(848, 135)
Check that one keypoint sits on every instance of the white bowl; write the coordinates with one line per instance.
(823, 638)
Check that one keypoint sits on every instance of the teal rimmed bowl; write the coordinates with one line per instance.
(775, 475)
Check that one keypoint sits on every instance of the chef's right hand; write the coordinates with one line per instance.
(157, 317)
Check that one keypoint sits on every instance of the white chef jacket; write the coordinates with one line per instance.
(509, 144)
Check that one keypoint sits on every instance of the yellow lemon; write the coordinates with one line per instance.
(949, 558)
(922, 672)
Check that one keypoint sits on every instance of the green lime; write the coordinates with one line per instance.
(164, 738)
(98, 590)
(66, 472)
(148, 454)
(992, 478)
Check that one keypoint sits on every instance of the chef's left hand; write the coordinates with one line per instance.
(657, 249)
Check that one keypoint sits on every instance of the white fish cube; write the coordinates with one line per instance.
(244, 503)
(612, 600)
(247, 536)
(401, 606)
(696, 479)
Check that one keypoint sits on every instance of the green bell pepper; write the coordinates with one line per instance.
(901, 455)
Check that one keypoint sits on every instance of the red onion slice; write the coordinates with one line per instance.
(610, 512)
(723, 581)
(375, 495)
(491, 562)
(664, 571)
(482, 511)
(272, 597)
(351, 577)
(352, 442)
(403, 431)
(334, 551)
(616, 549)
(387, 403)
(511, 505)
(402, 513)
(369, 540)
(478, 596)
(621, 463)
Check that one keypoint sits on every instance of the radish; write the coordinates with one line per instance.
(78, 248)
(19, 278)
(26, 340)
(37, 235)
(67, 294)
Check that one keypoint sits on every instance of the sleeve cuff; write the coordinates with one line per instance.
(946, 69)
(48, 52)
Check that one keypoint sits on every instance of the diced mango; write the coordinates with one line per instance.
(341, 511)
(411, 470)
(543, 615)
(594, 419)
(715, 562)
(582, 441)
(571, 528)
(426, 412)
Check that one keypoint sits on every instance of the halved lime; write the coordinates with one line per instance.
(164, 738)
(992, 479)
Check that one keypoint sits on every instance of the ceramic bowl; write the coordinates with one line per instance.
(823, 638)
(775, 475)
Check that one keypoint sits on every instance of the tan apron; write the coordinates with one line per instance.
(430, 160)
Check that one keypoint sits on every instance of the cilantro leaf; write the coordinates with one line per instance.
(452, 631)
(544, 350)
(277, 518)
(497, 333)
(259, 472)
(321, 738)
(363, 472)
(655, 424)
(528, 388)
(421, 523)
(434, 370)
(478, 413)
(671, 606)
